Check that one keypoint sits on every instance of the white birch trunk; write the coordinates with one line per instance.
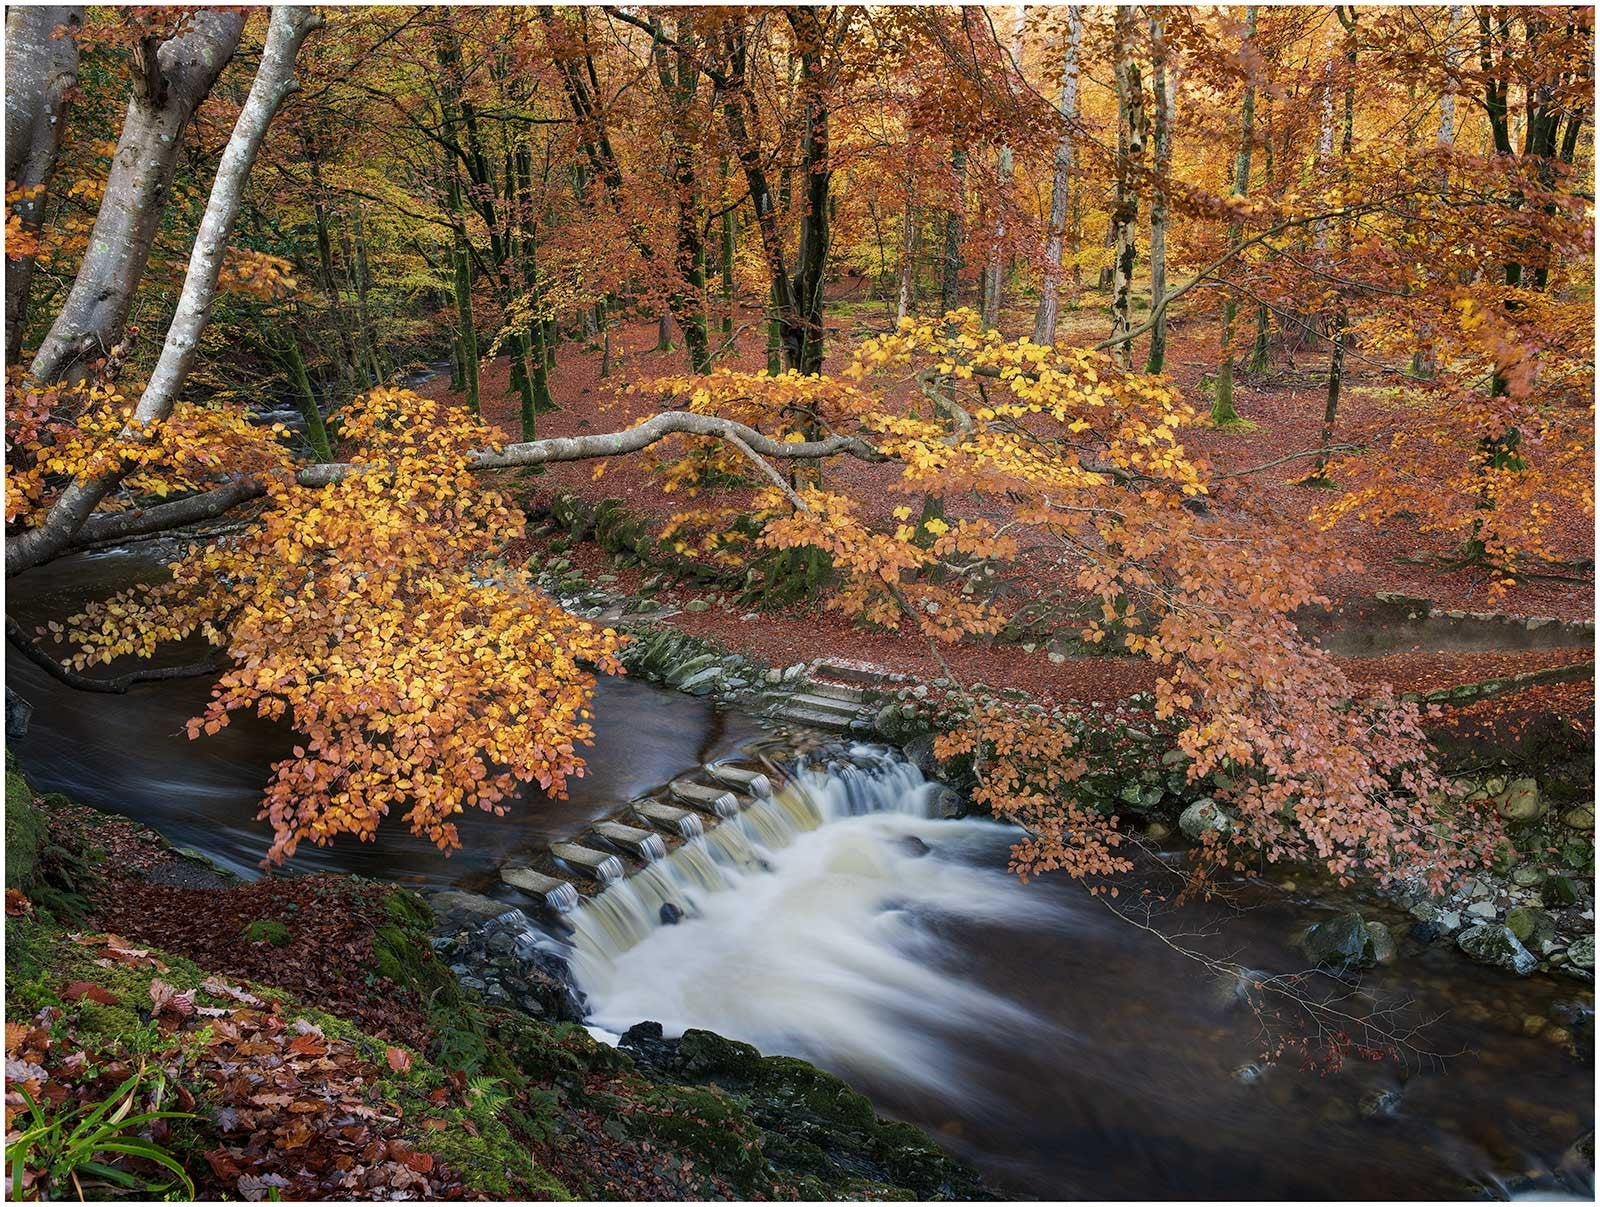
(1044, 325)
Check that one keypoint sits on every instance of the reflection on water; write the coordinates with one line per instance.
(1065, 1053)
(129, 754)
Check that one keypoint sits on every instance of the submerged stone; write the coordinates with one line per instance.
(1341, 942)
(1498, 947)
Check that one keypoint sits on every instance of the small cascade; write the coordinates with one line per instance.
(652, 849)
(563, 900)
(862, 780)
(609, 871)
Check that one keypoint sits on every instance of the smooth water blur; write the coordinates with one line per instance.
(1066, 1053)
(129, 754)
(1060, 1049)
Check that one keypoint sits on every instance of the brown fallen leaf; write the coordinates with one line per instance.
(79, 990)
(399, 1059)
(17, 904)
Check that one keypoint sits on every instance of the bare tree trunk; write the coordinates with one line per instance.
(41, 71)
(994, 270)
(1341, 316)
(1044, 324)
(1125, 214)
(274, 81)
(171, 78)
(1222, 410)
(1164, 86)
(908, 254)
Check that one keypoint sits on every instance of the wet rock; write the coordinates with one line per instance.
(1204, 817)
(1581, 952)
(671, 915)
(1581, 818)
(1533, 927)
(1561, 891)
(1248, 1074)
(1158, 831)
(1481, 909)
(1498, 947)
(1380, 1103)
(1338, 943)
(919, 753)
(1450, 921)
(1424, 932)
(696, 605)
(1528, 877)
(1384, 949)
(949, 804)
(911, 845)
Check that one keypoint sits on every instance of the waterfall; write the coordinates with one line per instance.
(865, 780)
(652, 849)
(812, 924)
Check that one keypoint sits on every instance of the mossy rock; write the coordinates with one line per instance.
(267, 930)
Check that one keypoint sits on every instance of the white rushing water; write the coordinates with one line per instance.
(810, 927)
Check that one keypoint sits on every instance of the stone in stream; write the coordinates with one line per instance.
(1384, 949)
(1581, 952)
(671, 915)
(755, 783)
(603, 867)
(1339, 943)
(1533, 927)
(1498, 947)
(708, 800)
(1204, 817)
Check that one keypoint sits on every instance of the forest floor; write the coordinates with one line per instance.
(1284, 406)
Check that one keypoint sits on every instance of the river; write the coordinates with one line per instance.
(1063, 1051)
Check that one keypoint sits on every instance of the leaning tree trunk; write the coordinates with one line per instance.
(1164, 86)
(1222, 409)
(170, 80)
(1044, 324)
(41, 72)
(1125, 213)
(274, 81)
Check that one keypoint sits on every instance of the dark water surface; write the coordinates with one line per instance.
(1066, 1053)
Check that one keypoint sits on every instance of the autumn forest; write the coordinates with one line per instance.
(828, 602)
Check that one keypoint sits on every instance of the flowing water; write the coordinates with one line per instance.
(1065, 1052)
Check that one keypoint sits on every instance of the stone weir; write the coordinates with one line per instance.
(724, 812)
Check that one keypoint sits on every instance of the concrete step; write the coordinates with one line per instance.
(673, 820)
(555, 892)
(603, 867)
(846, 670)
(846, 692)
(812, 717)
(754, 783)
(825, 704)
(717, 801)
(646, 844)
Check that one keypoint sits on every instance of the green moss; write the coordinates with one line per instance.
(267, 930)
(26, 830)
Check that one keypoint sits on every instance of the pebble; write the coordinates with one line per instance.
(1481, 909)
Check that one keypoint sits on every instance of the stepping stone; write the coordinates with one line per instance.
(812, 717)
(846, 709)
(849, 671)
(836, 691)
(555, 892)
(670, 818)
(753, 782)
(718, 801)
(646, 844)
(603, 867)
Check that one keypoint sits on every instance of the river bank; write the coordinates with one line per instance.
(319, 1048)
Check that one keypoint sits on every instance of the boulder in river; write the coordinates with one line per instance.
(1581, 952)
(1533, 927)
(1204, 817)
(1521, 801)
(1497, 946)
(1339, 943)
(1384, 948)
